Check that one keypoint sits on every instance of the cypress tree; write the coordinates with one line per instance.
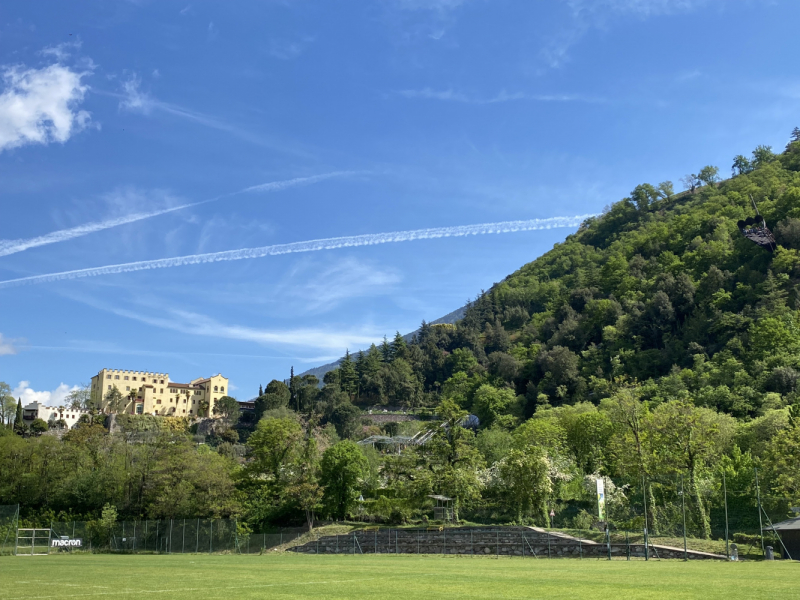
(18, 415)
(292, 390)
(260, 391)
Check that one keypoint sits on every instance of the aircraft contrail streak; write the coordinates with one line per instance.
(307, 246)
(13, 246)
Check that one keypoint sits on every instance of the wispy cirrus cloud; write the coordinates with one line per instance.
(189, 322)
(597, 14)
(451, 95)
(41, 106)
(133, 98)
(8, 247)
(8, 346)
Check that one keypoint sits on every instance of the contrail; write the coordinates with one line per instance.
(13, 246)
(308, 246)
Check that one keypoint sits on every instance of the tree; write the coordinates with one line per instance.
(741, 165)
(7, 404)
(305, 488)
(348, 378)
(18, 421)
(795, 137)
(763, 155)
(38, 426)
(343, 470)
(491, 403)
(709, 175)
(293, 391)
(276, 395)
(228, 408)
(80, 398)
(688, 438)
(527, 486)
(690, 182)
(274, 447)
(114, 401)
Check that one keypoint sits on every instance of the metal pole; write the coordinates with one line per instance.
(497, 542)
(156, 544)
(211, 536)
(418, 532)
(627, 545)
(183, 541)
(646, 548)
(134, 533)
(376, 542)
(548, 544)
(522, 535)
(608, 541)
(725, 496)
(646, 524)
(197, 537)
(444, 538)
(580, 546)
(760, 523)
(395, 541)
(683, 508)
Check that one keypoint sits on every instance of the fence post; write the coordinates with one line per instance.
(471, 544)
(418, 541)
(646, 545)
(725, 496)
(395, 542)
(211, 536)
(760, 523)
(627, 545)
(134, 533)
(683, 510)
(580, 546)
(444, 540)
(183, 540)
(548, 544)
(376, 541)
(197, 537)
(156, 544)
(522, 535)
(497, 543)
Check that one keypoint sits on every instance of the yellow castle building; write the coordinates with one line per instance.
(145, 393)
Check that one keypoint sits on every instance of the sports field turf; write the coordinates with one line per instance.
(278, 576)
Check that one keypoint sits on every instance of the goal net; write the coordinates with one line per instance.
(32, 542)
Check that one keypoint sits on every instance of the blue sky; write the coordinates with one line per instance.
(288, 121)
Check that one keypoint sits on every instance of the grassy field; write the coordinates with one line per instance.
(279, 576)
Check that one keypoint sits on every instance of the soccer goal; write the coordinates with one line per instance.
(32, 542)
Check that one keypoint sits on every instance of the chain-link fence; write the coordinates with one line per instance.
(9, 519)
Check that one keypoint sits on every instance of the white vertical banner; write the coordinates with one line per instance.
(601, 498)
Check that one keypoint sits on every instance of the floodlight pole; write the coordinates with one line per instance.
(760, 523)
(646, 525)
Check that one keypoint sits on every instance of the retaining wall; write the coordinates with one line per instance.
(507, 541)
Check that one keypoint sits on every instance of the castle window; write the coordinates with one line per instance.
(127, 388)
(116, 376)
(161, 381)
(109, 387)
(184, 410)
(158, 402)
(125, 378)
(133, 378)
(215, 387)
(161, 391)
(222, 389)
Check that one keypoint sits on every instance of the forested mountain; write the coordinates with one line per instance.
(662, 290)
(655, 348)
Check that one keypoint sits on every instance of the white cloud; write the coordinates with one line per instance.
(344, 279)
(287, 50)
(134, 99)
(7, 346)
(186, 10)
(503, 96)
(197, 324)
(644, 8)
(436, 5)
(61, 52)
(54, 398)
(40, 106)
(213, 31)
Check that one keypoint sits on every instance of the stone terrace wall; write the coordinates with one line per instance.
(506, 541)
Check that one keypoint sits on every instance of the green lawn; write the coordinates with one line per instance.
(278, 576)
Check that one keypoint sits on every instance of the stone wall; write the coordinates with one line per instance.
(505, 541)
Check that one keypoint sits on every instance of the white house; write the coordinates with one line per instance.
(37, 410)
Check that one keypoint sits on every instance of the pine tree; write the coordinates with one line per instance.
(347, 376)
(293, 391)
(398, 346)
(386, 350)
